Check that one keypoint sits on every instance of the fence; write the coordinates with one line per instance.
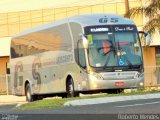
(151, 79)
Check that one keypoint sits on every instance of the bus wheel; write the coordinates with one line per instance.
(29, 96)
(70, 88)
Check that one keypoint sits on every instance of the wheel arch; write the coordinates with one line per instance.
(68, 78)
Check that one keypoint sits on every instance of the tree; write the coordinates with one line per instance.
(151, 10)
(126, 5)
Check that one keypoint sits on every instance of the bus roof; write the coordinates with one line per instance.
(83, 20)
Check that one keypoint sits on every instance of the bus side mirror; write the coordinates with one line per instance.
(85, 42)
(147, 37)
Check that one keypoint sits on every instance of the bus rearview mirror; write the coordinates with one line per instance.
(85, 42)
(148, 38)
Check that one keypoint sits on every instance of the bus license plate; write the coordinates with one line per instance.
(119, 83)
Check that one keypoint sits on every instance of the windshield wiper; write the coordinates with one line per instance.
(112, 49)
(108, 58)
(128, 62)
(109, 69)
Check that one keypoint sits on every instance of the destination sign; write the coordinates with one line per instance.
(97, 29)
(124, 28)
(109, 28)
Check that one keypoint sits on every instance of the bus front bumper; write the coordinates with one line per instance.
(115, 84)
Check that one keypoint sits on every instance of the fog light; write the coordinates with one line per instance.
(141, 83)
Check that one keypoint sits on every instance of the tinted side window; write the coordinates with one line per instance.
(81, 54)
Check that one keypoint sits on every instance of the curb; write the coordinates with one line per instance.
(110, 99)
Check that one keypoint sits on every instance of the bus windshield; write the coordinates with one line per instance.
(114, 46)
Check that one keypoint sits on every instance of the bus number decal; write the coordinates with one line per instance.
(18, 79)
(36, 75)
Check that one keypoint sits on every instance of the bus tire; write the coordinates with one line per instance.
(70, 89)
(29, 96)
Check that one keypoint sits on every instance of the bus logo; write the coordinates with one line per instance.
(36, 75)
(103, 20)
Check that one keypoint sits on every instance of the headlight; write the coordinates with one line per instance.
(93, 74)
(141, 83)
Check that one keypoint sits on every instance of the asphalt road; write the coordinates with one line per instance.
(135, 106)
(108, 111)
(7, 108)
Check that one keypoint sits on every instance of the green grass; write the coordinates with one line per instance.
(46, 103)
(58, 102)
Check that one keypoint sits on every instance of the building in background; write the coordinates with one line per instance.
(14, 22)
(4, 54)
(4, 60)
